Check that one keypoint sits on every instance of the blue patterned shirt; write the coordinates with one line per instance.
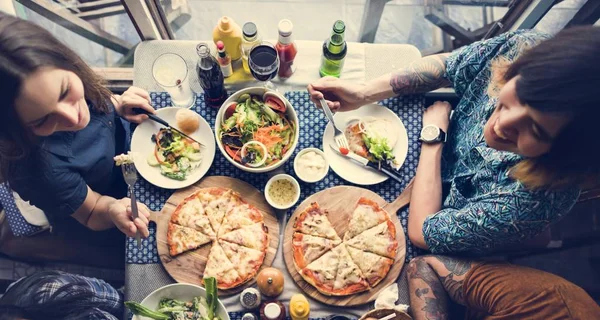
(484, 209)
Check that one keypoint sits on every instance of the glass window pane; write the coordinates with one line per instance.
(111, 20)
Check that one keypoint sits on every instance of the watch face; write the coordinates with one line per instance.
(430, 133)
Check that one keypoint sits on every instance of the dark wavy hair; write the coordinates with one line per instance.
(24, 49)
(29, 299)
(562, 76)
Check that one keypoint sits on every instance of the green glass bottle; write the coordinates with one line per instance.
(334, 51)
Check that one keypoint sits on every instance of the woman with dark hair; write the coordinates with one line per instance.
(60, 130)
(521, 143)
(57, 295)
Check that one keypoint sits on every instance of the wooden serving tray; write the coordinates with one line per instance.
(189, 267)
(340, 202)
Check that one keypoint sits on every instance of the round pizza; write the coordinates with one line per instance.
(355, 264)
(235, 228)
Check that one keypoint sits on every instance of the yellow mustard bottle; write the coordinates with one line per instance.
(231, 34)
(299, 307)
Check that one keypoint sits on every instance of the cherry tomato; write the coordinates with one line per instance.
(344, 151)
(275, 104)
(230, 110)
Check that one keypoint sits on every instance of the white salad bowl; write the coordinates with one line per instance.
(178, 291)
(292, 116)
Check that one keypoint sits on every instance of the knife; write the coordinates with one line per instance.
(160, 120)
(388, 171)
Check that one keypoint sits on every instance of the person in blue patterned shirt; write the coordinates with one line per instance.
(59, 295)
(521, 143)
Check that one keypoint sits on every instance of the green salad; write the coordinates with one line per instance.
(175, 154)
(199, 308)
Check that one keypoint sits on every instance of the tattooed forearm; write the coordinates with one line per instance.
(421, 76)
(453, 281)
(428, 298)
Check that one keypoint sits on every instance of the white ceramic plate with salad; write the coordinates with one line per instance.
(180, 293)
(185, 164)
(382, 128)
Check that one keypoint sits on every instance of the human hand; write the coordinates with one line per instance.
(121, 215)
(438, 114)
(133, 98)
(340, 95)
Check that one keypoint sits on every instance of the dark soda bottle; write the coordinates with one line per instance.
(211, 77)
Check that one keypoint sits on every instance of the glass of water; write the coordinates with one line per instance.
(171, 72)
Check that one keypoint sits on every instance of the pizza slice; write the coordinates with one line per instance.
(239, 216)
(220, 267)
(322, 272)
(313, 221)
(181, 239)
(307, 248)
(190, 213)
(254, 236)
(217, 202)
(366, 215)
(349, 278)
(373, 266)
(246, 261)
(380, 240)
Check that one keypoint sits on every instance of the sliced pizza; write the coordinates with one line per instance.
(181, 239)
(307, 248)
(366, 215)
(217, 202)
(322, 272)
(373, 266)
(239, 216)
(254, 236)
(246, 260)
(380, 239)
(313, 221)
(349, 279)
(190, 213)
(220, 267)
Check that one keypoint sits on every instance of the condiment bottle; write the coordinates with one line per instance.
(286, 49)
(250, 39)
(273, 310)
(250, 298)
(334, 51)
(249, 316)
(224, 60)
(211, 77)
(231, 34)
(299, 307)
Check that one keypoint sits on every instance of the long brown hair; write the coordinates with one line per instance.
(24, 49)
(562, 76)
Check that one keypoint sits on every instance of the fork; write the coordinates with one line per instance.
(130, 176)
(339, 137)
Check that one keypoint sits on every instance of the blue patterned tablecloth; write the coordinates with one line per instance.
(312, 126)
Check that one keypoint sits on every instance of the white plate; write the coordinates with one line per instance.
(142, 146)
(351, 171)
(178, 291)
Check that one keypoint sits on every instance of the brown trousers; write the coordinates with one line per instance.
(505, 291)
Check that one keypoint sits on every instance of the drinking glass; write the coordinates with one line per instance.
(264, 63)
(171, 72)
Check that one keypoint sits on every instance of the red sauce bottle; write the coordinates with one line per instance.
(286, 49)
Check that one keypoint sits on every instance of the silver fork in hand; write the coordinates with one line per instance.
(339, 137)
(130, 175)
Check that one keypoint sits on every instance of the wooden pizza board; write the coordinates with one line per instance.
(340, 202)
(189, 267)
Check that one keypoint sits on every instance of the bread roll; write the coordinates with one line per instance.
(187, 121)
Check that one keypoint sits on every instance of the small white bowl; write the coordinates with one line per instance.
(299, 173)
(284, 177)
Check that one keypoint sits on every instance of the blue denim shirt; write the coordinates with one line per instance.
(484, 208)
(57, 180)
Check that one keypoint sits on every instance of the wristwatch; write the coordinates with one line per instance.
(432, 134)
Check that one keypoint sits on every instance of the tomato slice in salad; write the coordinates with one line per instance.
(275, 104)
(230, 110)
(233, 153)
